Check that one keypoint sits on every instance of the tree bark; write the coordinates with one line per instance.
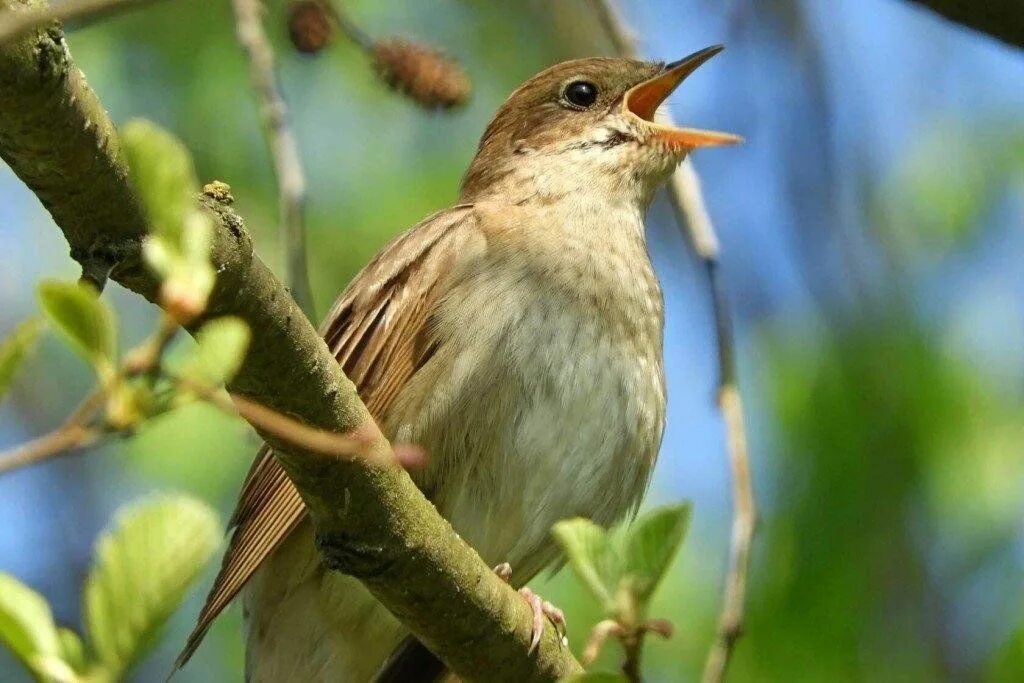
(372, 523)
(1003, 19)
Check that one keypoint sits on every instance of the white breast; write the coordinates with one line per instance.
(547, 396)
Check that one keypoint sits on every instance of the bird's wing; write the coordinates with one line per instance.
(378, 330)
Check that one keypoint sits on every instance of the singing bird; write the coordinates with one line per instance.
(516, 337)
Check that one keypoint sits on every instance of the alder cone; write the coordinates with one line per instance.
(310, 25)
(421, 72)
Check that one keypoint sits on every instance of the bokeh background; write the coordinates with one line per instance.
(873, 236)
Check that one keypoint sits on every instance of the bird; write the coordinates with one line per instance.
(516, 337)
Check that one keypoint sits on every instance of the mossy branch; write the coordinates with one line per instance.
(57, 138)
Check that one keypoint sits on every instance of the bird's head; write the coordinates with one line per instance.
(588, 123)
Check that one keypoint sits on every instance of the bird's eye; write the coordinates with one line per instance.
(580, 94)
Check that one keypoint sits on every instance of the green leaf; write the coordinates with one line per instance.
(53, 669)
(15, 349)
(586, 546)
(141, 571)
(650, 544)
(72, 650)
(178, 246)
(88, 323)
(219, 352)
(161, 170)
(596, 677)
(624, 566)
(26, 623)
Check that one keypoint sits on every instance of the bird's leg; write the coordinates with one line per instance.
(541, 608)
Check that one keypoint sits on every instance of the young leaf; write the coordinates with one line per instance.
(162, 172)
(88, 323)
(72, 651)
(26, 623)
(53, 669)
(140, 573)
(219, 352)
(649, 546)
(586, 546)
(14, 349)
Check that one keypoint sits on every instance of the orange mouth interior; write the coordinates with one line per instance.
(643, 100)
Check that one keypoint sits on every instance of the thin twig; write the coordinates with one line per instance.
(145, 359)
(693, 217)
(272, 422)
(632, 644)
(598, 635)
(57, 442)
(350, 28)
(15, 23)
(72, 434)
(730, 622)
(291, 183)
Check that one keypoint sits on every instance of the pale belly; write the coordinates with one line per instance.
(537, 414)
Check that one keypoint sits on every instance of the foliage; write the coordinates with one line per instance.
(178, 246)
(14, 349)
(219, 352)
(90, 326)
(27, 628)
(886, 451)
(622, 567)
(929, 207)
(142, 567)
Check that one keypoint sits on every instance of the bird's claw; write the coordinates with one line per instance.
(541, 608)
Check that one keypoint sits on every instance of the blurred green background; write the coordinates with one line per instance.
(872, 248)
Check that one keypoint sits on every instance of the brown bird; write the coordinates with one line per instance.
(516, 337)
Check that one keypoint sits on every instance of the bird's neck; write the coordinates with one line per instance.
(573, 175)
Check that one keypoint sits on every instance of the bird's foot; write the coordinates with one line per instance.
(541, 608)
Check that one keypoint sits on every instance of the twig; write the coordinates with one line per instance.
(15, 23)
(288, 429)
(73, 433)
(145, 358)
(291, 183)
(693, 217)
(350, 28)
(631, 638)
(632, 643)
(598, 635)
(730, 622)
(59, 441)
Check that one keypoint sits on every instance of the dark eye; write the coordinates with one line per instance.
(581, 94)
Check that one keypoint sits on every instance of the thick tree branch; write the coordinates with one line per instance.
(692, 213)
(1002, 19)
(371, 522)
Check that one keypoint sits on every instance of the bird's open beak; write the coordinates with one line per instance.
(643, 100)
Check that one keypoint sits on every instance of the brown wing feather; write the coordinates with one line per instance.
(376, 330)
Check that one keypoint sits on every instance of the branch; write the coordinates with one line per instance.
(1002, 19)
(291, 183)
(74, 433)
(16, 23)
(66, 438)
(57, 138)
(693, 216)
